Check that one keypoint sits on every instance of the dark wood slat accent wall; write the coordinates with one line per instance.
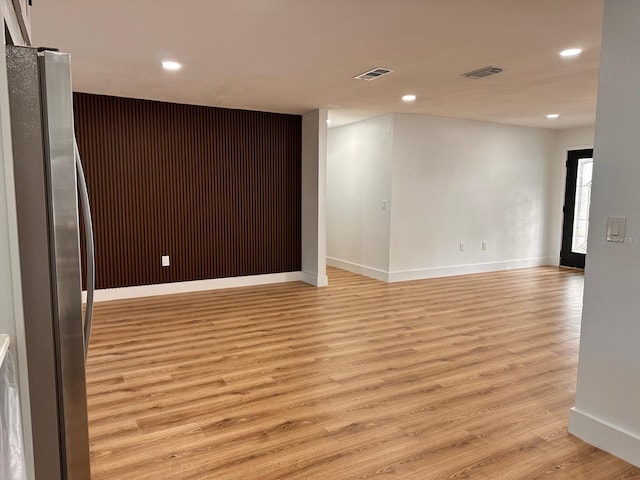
(217, 190)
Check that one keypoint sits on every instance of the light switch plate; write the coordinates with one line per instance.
(616, 229)
(165, 260)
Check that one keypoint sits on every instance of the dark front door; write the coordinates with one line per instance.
(576, 208)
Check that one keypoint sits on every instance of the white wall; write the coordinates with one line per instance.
(607, 410)
(461, 181)
(314, 194)
(358, 181)
(569, 139)
(445, 182)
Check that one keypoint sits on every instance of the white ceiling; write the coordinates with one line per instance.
(297, 55)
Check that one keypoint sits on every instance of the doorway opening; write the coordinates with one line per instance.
(576, 208)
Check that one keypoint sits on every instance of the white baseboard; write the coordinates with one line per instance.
(434, 272)
(553, 261)
(194, 286)
(360, 269)
(605, 436)
(315, 280)
(421, 274)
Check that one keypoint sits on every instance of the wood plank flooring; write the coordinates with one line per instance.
(461, 377)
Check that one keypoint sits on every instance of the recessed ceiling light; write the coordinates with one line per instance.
(571, 52)
(171, 65)
(409, 98)
(553, 115)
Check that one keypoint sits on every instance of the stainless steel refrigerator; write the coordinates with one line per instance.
(49, 188)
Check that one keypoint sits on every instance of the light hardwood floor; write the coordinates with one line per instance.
(462, 377)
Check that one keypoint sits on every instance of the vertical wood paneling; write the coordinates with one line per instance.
(216, 189)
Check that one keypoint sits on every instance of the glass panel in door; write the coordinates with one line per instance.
(582, 201)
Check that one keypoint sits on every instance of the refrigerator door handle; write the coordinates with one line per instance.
(90, 247)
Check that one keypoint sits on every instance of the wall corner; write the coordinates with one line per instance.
(313, 197)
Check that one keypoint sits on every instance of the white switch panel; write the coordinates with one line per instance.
(484, 245)
(462, 247)
(616, 229)
(165, 260)
(383, 206)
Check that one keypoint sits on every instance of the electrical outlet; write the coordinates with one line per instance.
(165, 261)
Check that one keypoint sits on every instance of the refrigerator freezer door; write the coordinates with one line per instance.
(42, 137)
(64, 237)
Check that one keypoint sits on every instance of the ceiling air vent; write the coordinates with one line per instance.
(373, 74)
(482, 72)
